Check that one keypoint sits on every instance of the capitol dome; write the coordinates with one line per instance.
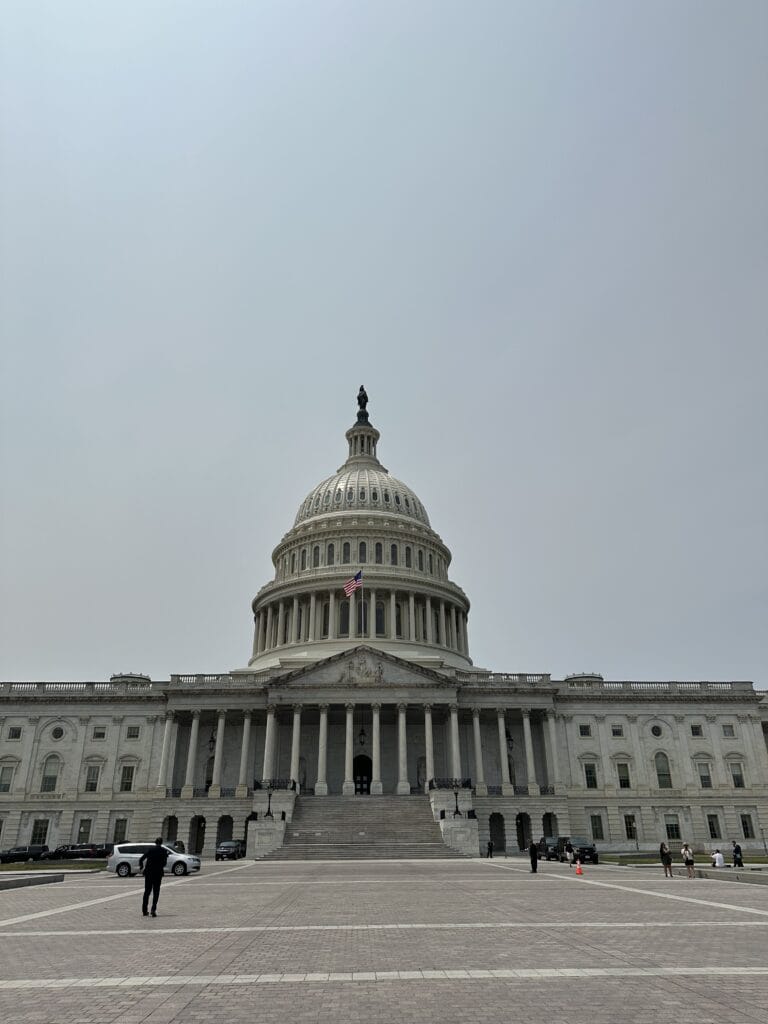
(360, 520)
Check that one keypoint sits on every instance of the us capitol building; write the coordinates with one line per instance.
(367, 696)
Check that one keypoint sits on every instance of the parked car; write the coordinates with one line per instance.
(72, 851)
(21, 854)
(583, 849)
(125, 857)
(58, 854)
(547, 847)
(104, 850)
(230, 849)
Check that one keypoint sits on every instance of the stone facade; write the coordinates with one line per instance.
(372, 693)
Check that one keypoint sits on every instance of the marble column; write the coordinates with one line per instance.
(533, 787)
(214, 790)
(454, 635)
(256, 632)
(280, 623)
(189, 778)
(295, 620)
(466, 636)
(393, 614)
(372, 614)
(429, 746)
(459, 631)
(480, 787)
(312, 617)
(507, 789)
(245, 752)
(332, 615)
(441, 624)
(267, 771)
(552, 765)
(455, 751)
(348, 787)
(269, 628)
(376, 787)
(295, 744)
(411, 617)
(430, 638)
(403, 785)
(262, 631)
(162, 775)
(321, 785)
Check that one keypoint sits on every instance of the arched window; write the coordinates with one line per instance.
(315, 556)
(345, 552)
(408, 559)
(393, 554)
(662, 771)
(330, 555)
(379, 618)
(339, 493)
(378, 553)
(303, 558)
(421, 560)
(350, 493)
(327, 498)
(374, 495)
(50, 774)
(362, 553)
(431, 570)
(362, 494)
(293, 562)
(344, 618)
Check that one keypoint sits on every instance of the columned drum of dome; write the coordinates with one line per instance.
(361, 518)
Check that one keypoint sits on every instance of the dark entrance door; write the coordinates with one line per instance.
(361, 770)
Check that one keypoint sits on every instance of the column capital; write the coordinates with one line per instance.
(402, 708)
(350, 707)
(525, 712)
(549, 713)
(428, 707)
(221, 712)
(501, 712)
(170, 715)
(297, 708)
(324, 708)
(376, 708)
(475, 711)
(271, 708)
(247, 712)
(196, 712)
(453, 708)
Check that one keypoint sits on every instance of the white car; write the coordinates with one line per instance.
(126, 856)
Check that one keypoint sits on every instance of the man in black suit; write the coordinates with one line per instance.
(153, 863)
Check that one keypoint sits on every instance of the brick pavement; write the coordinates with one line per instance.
(409, 941)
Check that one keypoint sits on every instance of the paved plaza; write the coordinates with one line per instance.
(387, 941)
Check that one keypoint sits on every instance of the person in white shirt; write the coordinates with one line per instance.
(687, 854)
(718, 860)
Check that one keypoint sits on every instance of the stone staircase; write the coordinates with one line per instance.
(362, 828)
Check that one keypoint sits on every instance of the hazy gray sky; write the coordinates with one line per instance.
(536, 231)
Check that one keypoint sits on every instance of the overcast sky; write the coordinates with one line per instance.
(537, 232)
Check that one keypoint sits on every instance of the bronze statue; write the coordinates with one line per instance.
(362, 398)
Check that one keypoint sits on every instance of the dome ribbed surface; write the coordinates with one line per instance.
(365, 487)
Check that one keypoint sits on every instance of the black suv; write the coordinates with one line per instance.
(547, 847)
(583, 849)
(21, 854)
(230, 849)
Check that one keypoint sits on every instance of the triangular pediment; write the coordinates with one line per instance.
(365, 667)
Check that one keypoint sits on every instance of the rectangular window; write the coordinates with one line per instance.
(617, 730)
(126, 778)
(6, 778)
(39, 832)
(99, 732)
(48, 782)
(672, 824)
(585, 730)
(623, 771)
(597, 826)
(590, 775)
(84, 830)
(747, 828)
(713, 824)
(14, 732)
(120, 831)
(728, 730)
(705, 776)
(737, 774)
(630, 826)
(696, 730)
(132, 732)
(92, 778)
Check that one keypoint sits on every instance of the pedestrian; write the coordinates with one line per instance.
(718, 860)
(153, 863)
(687, 854)
(738, 861)
(489, 849)
(569, 853)
(665, 856)
(534, 855)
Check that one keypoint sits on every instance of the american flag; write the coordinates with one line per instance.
(354, 584)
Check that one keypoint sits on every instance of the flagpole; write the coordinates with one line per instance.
(362, 606)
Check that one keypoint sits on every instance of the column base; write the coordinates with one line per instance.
(376, 787)
(348, 789)
(321, 789)
(214, 792)
(403, 789)
(187, 792)
(161, 791)
(507, 789)
(241, 792)
(481, 789)
(533, 789)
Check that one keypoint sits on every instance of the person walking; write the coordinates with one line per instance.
(687, 854)
(665, 856)
(489, 849)
(738, 860)
(153, 863)
(534, 855)
(569, 853)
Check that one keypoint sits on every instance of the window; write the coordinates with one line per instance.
(6, 778)
(337, 495)
(663, 775)
(630, 826)
(728, 730)
(126, 778)
(379, 618)
(326, 618)
(713, 824)
(747, 828)
(50, 775)
(386, 496)
(421, 560)
(378, 553)
(57, 732)
(737, 774)
(362, 553)
(617, 730)
(344, 618)
(293, 562)
(585, 730)
(330, 555)
(346, 553)
(84, 830)
(303, 558)
(39, 832)
(92, 773)
(398, 619)
(623, 772)
(705, 775)
(696, 730)
(374, 495)
(430, 564)
(14, 732)
(408, 558)
(393, 554)
(656, 730)
(99, 732)
(362, 494)
(672, 825)
(590, 775)
(120, 830)
(597, 826)
(132, 732)
(315, 556)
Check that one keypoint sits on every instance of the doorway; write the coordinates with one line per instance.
(362, 768)
(497, 833)
(196, 834)
(523, 823)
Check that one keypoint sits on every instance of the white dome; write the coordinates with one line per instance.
(364, 487)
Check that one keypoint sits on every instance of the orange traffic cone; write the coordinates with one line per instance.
(578, 868)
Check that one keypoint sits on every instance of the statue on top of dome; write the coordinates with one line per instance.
(362, 398)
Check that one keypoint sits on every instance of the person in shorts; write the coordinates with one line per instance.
(665, 856)
(687, 854)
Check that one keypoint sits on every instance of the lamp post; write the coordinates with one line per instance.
(762, 833)
(456, 797)
(269, 813)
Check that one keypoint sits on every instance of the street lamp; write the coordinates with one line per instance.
(456, 796)
(269, 813)
(212, 741)
(361, 736)
(762, 833)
